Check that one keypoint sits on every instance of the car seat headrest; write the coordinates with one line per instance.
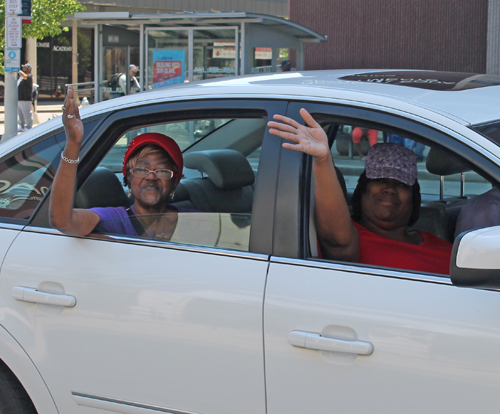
(440, 163)
(101, 189)
(227, 169)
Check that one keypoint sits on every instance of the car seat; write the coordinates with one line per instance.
(101, 189)
(225, 184)
(440, 217)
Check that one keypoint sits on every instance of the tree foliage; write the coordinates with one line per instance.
(47, 16)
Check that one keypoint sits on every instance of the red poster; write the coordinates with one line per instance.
(166, 69)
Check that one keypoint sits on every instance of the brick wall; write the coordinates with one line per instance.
(406, 34)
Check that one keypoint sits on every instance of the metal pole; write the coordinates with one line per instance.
(10, 105)
(32, 59)
(74, 58)
(10, 100)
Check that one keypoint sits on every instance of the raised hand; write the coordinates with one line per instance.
(310, 139)
(73, 125)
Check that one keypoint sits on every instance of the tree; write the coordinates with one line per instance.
(47, 16)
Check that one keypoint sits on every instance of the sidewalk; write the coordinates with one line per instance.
(44, 112)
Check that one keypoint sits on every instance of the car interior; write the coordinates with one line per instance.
(447, 184)
(221, 164)
(220, 167)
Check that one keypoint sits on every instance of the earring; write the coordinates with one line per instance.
(129, 193)
(172, 195)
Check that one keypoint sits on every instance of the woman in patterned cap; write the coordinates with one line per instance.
(152, 168)
(386, 202)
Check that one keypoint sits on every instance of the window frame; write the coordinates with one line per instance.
(294, 192)
(116, 123)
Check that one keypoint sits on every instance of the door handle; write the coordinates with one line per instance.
(315, 341)
(32, 295)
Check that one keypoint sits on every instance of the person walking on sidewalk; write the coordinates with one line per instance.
(25, 98)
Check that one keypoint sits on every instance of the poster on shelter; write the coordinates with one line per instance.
(168, 67)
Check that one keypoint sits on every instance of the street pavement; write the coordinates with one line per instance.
(44, 112)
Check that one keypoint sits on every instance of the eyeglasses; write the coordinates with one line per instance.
(162, 174)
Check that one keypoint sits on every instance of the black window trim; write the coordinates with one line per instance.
(294, 193)
(261, 234)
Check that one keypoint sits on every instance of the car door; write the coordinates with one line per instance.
(133, 325)
(349, 338)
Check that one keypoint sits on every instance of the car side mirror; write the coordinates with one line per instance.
(475, 259)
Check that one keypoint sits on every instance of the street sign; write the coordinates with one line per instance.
(26, 11)
(14, 27)
(12, 60)
(13, 7)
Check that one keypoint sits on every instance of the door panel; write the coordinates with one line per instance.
(435, 346)
(152, 326)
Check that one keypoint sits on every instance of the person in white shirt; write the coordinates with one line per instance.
(134, 83)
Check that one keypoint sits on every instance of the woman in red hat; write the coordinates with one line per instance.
(152, 168)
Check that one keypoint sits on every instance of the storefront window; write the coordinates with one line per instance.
(262, 60)
(168, 57)
(214, 53)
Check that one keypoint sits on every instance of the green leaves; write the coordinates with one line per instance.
(47, 16)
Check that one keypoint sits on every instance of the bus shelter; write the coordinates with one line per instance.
(174, 48)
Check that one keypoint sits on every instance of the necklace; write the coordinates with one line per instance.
(153, 233)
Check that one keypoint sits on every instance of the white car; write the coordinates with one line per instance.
(236, 313)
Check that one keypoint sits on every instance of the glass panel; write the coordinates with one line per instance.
(286, 61)
(167, 58)
(262, 60)
(352, 143)
(185, 134)
(212, 208)
(223, 230)
(115, 72)
(214, 53)
(490, 130)
(26, 177)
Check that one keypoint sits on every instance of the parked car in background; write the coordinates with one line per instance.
(237, 313)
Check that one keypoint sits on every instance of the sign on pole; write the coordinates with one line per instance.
(26, 11)
(13, 29)
(13, 7)
(12, 60)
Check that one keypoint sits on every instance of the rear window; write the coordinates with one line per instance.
(490, 131)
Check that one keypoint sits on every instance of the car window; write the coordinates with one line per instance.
(447, 184)
(214, 203)
(348, 158)
(26, 177)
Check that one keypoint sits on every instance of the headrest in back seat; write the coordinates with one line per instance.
(101, 189)
(227, 169)
(440, 163)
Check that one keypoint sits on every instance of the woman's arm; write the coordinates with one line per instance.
(336, 234)
(63, 216)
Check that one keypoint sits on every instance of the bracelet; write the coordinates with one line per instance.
(68, 160)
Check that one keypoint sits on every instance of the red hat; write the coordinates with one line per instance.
(154, 138)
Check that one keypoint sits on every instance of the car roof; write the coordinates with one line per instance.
(464, 98)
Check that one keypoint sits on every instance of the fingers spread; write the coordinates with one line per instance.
(309, 119)
(286, 120)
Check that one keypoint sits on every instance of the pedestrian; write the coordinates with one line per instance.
(134, 83)
(25, 98)
(286, 66)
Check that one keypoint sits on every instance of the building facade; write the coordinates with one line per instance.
(449, 35)
(273, 7)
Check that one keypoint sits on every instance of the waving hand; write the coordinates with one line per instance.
(310, 139)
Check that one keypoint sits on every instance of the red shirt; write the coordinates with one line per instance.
(432, 255)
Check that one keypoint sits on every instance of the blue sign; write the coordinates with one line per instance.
(168, 67)
(12, 60)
